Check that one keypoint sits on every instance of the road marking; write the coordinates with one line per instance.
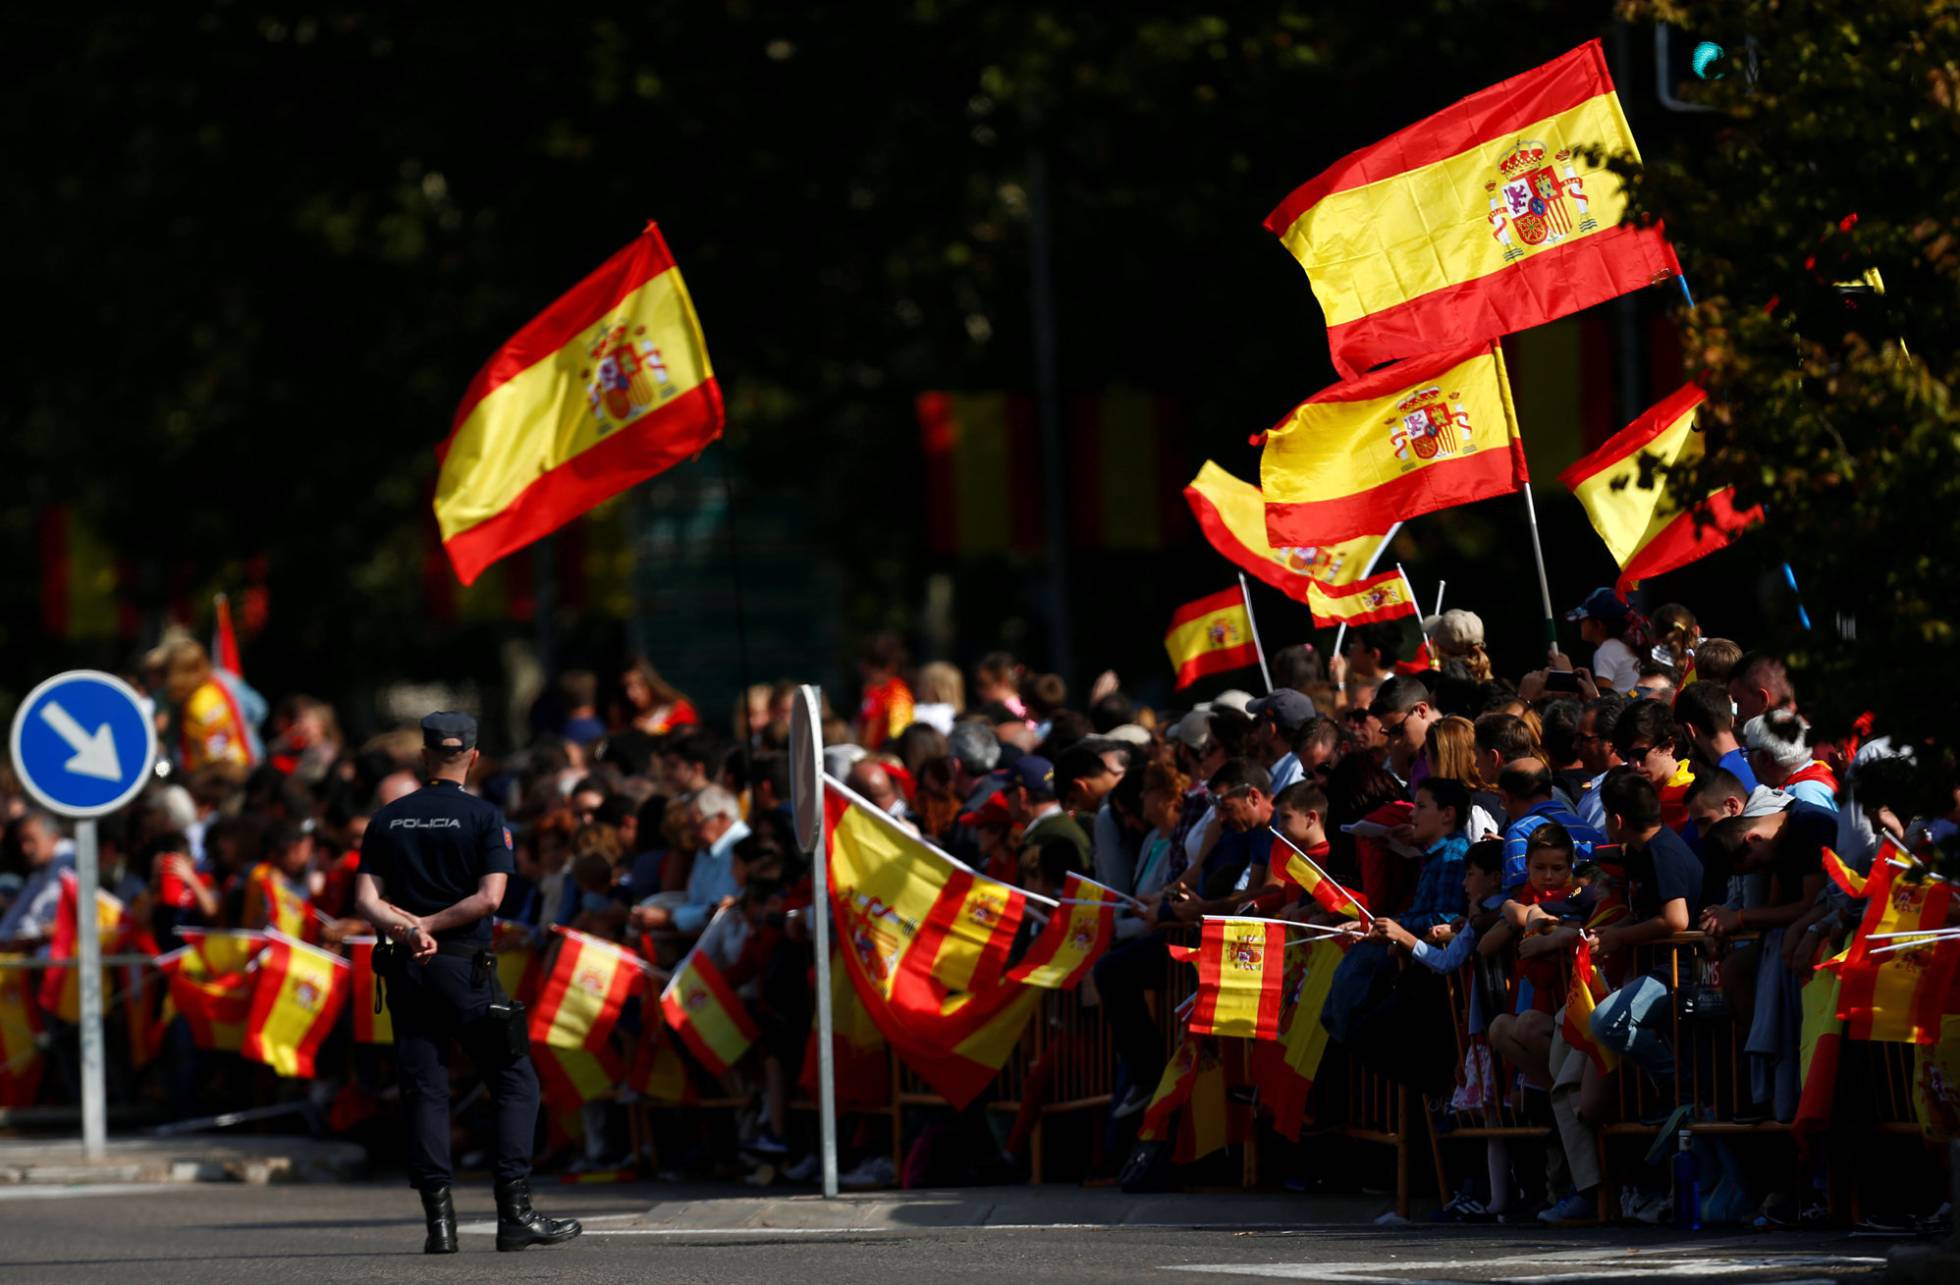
(489, 1227)
(1590, 1264)
(38, 1191)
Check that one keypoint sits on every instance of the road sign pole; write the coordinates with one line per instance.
(95, 1115)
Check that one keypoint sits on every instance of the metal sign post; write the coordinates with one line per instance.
(807, 804)
(83, 745)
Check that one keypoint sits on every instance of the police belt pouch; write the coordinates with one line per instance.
(510, 1015)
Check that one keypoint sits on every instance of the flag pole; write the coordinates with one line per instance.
(1245, 594)
(1315, 867)
(1340, 635)
(1410, 586)
(1538, 555)
(1440, 586)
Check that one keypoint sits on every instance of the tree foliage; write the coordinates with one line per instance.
(1826, 172)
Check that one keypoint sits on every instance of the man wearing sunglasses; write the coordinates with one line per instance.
(1403, 709)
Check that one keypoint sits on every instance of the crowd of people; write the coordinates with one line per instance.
(1668, 786)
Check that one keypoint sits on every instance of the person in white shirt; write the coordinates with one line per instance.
(45, 854)
(715, 818)
(1602, 620)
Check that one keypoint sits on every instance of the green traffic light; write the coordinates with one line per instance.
(1707, 59)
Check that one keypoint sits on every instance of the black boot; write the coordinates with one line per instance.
(440, 1210)
(519, 1226)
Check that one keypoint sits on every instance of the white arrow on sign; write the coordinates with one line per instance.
(94, 755)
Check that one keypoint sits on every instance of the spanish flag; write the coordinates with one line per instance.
(860, 1061)
(20, 1035)
(1365, 602)
(885, 886)
(517, 963)
(608, 386)
(1077, 934)
(1898, 997)
(703, 1009)
(271, 903)
(585, 992)
(1232, 514)
(1298, 866)
(1211, 636)
(212, 978)
(1173, 1088)
(370, 1027)
(1241, 966)
(61, 988)
(1579, 1004)
(571, 1077)
(1820, 1042)
(1642, 520)
(1482, 220)
(1419, 436)
(657, 1071)
(971, 930)
(1284, 1069)
(298, 995)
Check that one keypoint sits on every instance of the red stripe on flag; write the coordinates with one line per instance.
(584, 305)
(1217, 662)
(1204, 606)
(679, 430)
(1550, 284)
(1481, 476)
(1210, 960)
(935, 412)
(1235, 551)
(1635, 437)
(1686, 539)
(1524, 99)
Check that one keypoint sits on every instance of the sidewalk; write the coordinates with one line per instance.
(695, 1212)
(255, 1159)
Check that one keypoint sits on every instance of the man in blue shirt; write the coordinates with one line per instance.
(1705, 714)
(1527, 789)
(715, 820)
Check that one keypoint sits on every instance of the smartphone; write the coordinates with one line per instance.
(1561, 680)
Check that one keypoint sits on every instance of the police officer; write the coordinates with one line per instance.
(433, 868)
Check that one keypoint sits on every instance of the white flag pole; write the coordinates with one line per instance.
(1245, 594)
(1340, 635)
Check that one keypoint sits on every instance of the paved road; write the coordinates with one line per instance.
(197, 1234)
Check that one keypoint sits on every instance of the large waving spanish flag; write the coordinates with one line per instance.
(894, 897)
(1232, 514)
(61, 988)
(1419, 436)
(1482, 220)
(1210, 636)
(211, 981)
(1241, 965)
(605, 388)
(1643, 522)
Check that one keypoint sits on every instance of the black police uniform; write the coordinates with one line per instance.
(430, 849)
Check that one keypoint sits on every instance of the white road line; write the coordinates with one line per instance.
(37, 1191)
(1660, 1263)
(489, 1227)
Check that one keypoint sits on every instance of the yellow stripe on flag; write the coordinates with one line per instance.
(1242, 989)
(1626, 512)
(1369, 248)
(541, 419)
(1416, 437)
(1236, 527)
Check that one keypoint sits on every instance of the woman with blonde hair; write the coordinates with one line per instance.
(941, 697)
(1459, 635)
(1450, 751)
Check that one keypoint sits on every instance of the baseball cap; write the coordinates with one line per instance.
(1600, 604)
(1193, 730)
(1033, 772)
(1233, 699)
(449, 730)
(1286, 707)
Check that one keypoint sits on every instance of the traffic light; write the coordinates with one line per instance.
(1683, 65)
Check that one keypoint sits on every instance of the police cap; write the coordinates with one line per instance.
(449, 732)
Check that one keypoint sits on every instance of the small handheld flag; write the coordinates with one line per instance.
(1211, 636)
(1241, 963)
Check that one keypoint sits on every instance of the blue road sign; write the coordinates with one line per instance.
(83, 743)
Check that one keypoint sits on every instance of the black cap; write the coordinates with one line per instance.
(1288, 708)
(449, 731)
